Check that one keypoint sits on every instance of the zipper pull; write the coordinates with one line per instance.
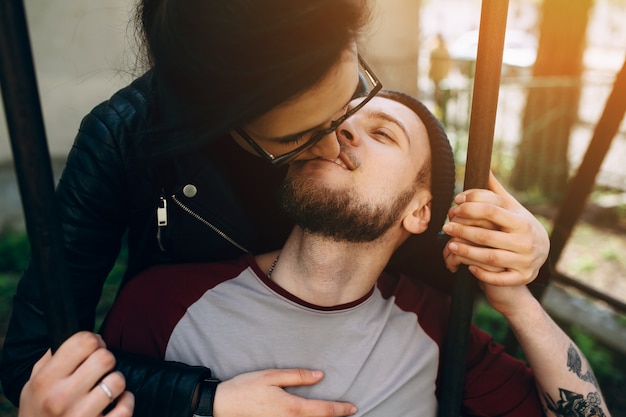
(161, 220)
(162, 212)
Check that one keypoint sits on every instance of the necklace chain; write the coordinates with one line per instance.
(269, 273)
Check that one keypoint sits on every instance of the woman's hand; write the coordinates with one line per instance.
(76, 382)
(261, 394)
(499, 239)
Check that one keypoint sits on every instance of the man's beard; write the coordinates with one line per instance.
(338, 214)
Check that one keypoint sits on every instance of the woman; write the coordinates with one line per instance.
(181, 162)
(157, 162)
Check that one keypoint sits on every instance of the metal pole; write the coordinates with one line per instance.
(480, 144)
(34, 170)
(579, 189)
(581, 185)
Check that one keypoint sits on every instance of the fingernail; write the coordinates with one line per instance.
(453, 247)
(317, 374)
(460, 198)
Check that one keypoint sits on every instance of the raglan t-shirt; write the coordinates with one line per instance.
(380, 352)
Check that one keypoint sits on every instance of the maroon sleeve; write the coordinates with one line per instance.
(496, 384)
(145, 313)
(150, 306)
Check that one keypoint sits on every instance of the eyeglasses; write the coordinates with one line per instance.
(368, 84)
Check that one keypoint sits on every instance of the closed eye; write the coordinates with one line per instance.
(383, 134)
(295, 139)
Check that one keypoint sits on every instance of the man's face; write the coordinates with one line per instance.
(368, 188)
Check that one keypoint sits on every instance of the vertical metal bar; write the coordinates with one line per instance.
(581, 185)
(480, 144)
(34, 169)
(578, 190)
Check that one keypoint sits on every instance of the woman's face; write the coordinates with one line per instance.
(293, 123)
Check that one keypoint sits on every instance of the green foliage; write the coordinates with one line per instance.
(610, 255)
(14, 252)
(490, 321)
(111, 285)
(585, 263)
(8, 284)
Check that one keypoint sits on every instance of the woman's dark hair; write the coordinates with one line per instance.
(221, 63)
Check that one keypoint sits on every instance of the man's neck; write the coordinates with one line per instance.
(326, 272)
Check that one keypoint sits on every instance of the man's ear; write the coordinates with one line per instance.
(417, 219)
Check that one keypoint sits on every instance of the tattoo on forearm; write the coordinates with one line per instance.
(571, 404)
(575, 365)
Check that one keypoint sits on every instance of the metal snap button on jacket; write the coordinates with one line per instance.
(190, 190)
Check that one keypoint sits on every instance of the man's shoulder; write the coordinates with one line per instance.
(409, 290)
(149, 306)
(430, 305)
(189, 277)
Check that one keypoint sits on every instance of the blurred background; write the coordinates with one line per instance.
(561, 62)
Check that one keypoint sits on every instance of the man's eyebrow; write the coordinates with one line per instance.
(381, 115)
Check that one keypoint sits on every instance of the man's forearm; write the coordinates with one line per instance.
(564, 378)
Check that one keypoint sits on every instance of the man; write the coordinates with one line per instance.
(324, 302)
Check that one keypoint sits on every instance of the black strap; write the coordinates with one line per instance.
(208, 388)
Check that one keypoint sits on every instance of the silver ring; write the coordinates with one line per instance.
(106, 390)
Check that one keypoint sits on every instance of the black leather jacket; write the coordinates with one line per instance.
(212, 204)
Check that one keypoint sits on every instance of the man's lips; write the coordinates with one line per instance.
(343, 160)
(346, 161)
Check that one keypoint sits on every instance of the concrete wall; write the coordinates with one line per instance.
(79, 48)
(391, 47)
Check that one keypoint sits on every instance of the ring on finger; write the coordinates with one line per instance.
(107, 390)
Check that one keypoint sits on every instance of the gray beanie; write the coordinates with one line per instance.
(442, 163)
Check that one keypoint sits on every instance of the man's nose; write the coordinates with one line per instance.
(347, 133)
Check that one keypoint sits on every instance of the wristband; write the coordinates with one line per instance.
(206, 397)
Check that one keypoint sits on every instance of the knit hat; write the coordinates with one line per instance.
(442, 163)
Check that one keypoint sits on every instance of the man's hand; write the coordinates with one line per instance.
(501, 241)
(261, 394)
(68, 383)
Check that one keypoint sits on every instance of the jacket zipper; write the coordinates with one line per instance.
(162, 222)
